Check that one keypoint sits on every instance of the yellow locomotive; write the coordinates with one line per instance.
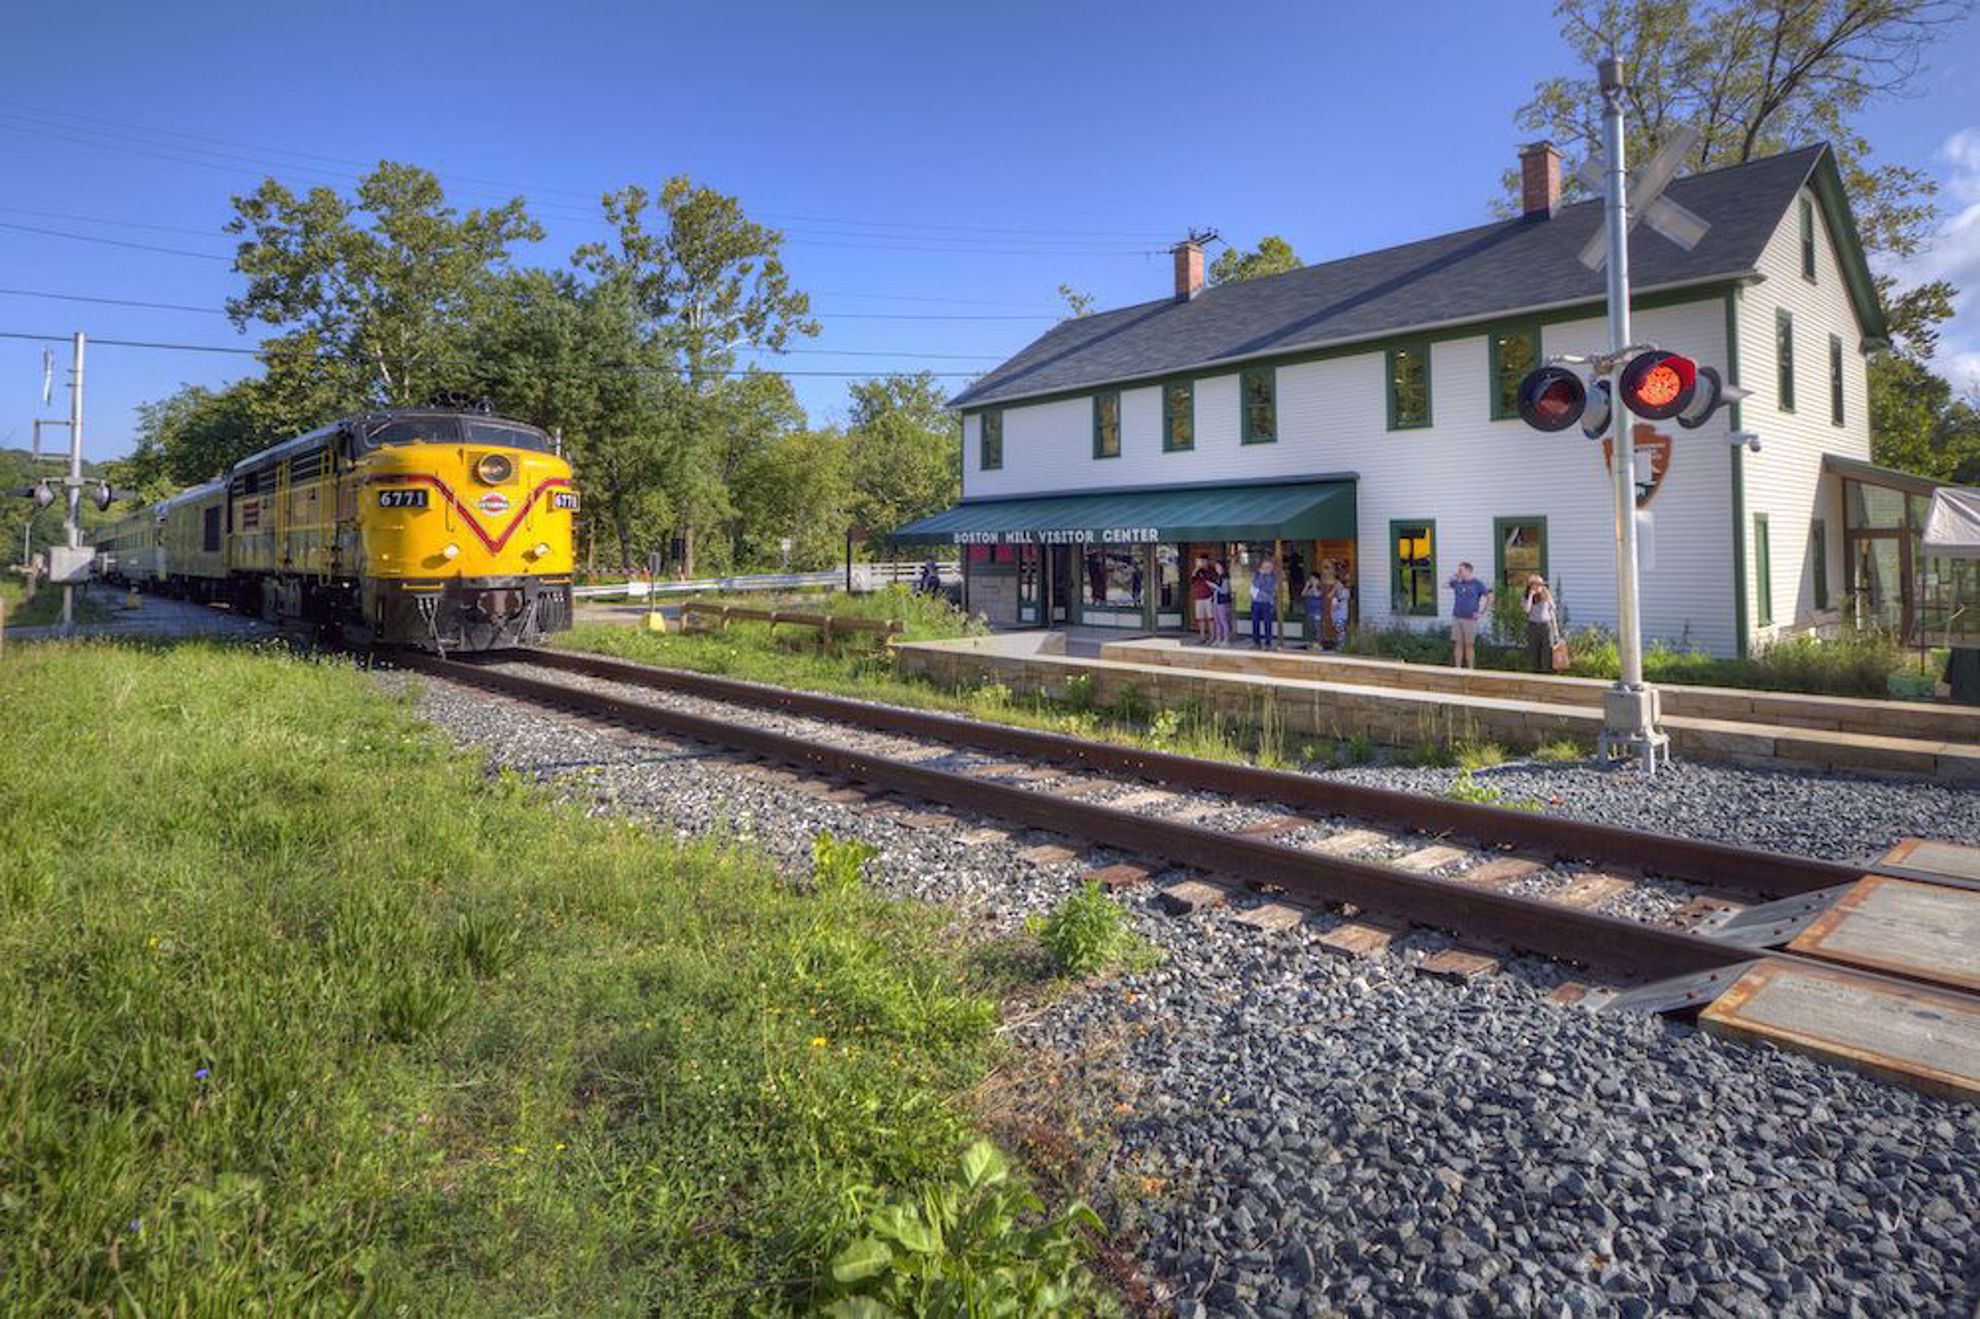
(429, 527)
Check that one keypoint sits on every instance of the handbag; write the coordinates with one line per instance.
(1563, 657)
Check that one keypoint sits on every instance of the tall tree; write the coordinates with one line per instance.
(904, 452)
(1755, 77)
(1273, 256)
(707, 282)
(377, 288)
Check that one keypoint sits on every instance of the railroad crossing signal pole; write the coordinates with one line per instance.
(72, 520)
(1630, 708)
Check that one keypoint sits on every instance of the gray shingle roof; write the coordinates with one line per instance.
(1492, 270)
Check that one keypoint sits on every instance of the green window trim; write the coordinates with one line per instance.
(1266, 378)
(1107, 424)
(1818, 548)
(1763, 570)
(1400, 412)
(1398, 602)
(1178, 416)
(1784, 359)
(1499, 528)
(1835, 380)
(1808, 239)
(990, 440)
(1504, 400)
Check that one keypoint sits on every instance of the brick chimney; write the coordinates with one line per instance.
(1189, 265)
(1539, 181)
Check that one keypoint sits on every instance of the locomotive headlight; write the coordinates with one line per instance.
(494, 468)
(542, 548)
(452, 551)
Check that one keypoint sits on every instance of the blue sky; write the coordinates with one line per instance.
(940, 170)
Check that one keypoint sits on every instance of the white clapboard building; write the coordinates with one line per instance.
(1357, 418)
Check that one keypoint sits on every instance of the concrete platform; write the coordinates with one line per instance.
(1225, 687)
(1921, 931)
(1847, 714)
(1920, 1038)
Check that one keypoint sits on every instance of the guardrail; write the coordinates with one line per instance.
(825, 623)
(865, 577)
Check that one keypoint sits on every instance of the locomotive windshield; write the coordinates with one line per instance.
(452, 428)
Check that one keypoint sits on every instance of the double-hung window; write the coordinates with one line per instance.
(990, 442)
(1808, 240)
(1409, 386)
(1784, 359)
(1258, 396)
(1514, 353)
(1413, 567)
(1836, 379)
(1107, 424)
(1178, 416)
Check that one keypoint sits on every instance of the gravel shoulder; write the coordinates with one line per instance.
(1297, 1135)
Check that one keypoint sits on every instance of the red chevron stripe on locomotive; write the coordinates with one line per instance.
(467, 514)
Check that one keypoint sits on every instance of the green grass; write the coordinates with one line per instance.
(1853, 664)
(46, 607)
(790, 659)
(300, 1010)
(1560, 751)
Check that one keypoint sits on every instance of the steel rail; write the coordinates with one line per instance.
(1721, 865)
(1527, 924)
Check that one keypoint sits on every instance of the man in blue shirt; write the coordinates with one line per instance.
(1471, 599)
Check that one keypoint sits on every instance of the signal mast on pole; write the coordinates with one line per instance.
(1629, 378)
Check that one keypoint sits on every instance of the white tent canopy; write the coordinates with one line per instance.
(1952, 527)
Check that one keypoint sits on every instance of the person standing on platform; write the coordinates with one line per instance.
(1337, 608)
(1539, 605)
(1202, 584)
(1314, 596)
(1470, 598)
(1220, 604)
(1265, 603)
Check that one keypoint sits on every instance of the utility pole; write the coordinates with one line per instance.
(72, 521)
(1631, 707)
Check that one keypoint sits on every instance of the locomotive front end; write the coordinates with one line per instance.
(467, 532)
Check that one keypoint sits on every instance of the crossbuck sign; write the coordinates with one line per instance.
(1647, 202)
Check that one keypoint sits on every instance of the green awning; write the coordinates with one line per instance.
(1309, 510)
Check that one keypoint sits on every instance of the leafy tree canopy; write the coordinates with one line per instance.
(378, 288)
(1273, 256)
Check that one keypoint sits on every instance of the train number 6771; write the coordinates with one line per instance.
(402, 499)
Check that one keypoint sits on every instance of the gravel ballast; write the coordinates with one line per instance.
(1301, 1135)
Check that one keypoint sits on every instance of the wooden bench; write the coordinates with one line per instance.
(703, 614)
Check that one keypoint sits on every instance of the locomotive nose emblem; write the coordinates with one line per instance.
(494, 502)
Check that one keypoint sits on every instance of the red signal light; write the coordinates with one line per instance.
(1552, 398)
(1657, 385)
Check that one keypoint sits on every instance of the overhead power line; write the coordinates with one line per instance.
(826, 316)
(110, 242)
(144, 139)
(239, 351)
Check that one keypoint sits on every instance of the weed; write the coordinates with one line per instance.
(1471, 755)
(485, 942)
(976, 1243)
(1164, 727)
(1086, 933)
(1079, 692)
(1467, 788)
(1357, 750)
(1560, 751)
(1131, 705)
(836, 864)
(1432, 755)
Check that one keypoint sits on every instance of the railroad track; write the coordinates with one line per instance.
(1749, 904)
